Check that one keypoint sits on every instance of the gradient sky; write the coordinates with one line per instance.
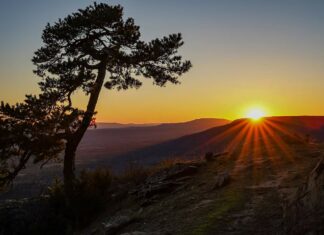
(247, 53)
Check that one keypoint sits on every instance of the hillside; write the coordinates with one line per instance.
(109, 142)
(261, 190)
(230, 137)
(269, 181)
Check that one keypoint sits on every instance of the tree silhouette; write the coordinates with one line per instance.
(31, 130)
(91, 48)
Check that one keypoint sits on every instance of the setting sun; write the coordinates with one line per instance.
(255, 114)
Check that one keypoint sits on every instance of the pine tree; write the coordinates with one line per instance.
(87, 50)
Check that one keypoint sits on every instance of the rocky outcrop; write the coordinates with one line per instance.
(304, 214)
(166, 181)
(116, 223)
(210, 156)
(221, 180)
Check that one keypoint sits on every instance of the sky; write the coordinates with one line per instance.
(245, 55)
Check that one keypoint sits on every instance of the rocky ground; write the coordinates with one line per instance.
(267, 190)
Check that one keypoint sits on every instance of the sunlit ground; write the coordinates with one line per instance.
(263, 140)
(259, 142)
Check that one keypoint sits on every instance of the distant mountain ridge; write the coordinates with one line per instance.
(199, 123)
(218, 138)
(110, 142)
(113, 125)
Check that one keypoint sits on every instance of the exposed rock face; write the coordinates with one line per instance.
(116, 223)
(210, 156)
(221, 180)
(167, 180)
(304, 214)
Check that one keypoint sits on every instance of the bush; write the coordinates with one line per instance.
(91, 196)
(167, 164)
(133, 174)
(91, 193)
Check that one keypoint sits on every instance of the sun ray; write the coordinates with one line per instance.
(233, 145)
(246, 144)
(282, 129)
(279, 142)
(271, 152)
(228, 133)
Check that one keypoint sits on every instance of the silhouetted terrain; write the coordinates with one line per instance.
(100, 146)
(108, 142)
(113, 125)
(144, 146)
(229, 137)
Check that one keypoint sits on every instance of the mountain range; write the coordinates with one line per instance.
(111, 141)
(228, 137)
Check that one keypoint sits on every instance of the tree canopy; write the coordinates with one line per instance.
(89, 49)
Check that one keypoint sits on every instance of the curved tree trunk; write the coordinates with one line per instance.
(69, 167)
(74, 140)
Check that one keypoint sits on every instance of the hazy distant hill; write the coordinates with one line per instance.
(113, 125)
(219, 138)
(113, 141)
(200, 123)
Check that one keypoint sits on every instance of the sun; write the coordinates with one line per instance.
(255, 114)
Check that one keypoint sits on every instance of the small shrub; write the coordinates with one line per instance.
(167, 164)
(133, 174)
(91, 196)
(57, 196)
(209, 156)
(91, 193)
(136, 174)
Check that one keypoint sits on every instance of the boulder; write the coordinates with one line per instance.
(221, 180)
(162, 187)
(210, 156)
(116, 223)
(165, 181)
(181, 171)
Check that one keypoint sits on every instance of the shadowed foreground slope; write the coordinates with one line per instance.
(230, 137)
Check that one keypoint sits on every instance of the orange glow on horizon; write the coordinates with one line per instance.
(255, 114)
